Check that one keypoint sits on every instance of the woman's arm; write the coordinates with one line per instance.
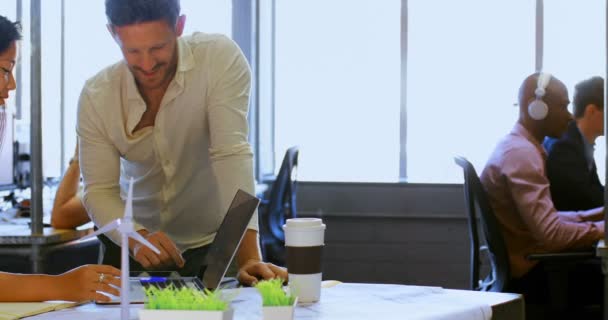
(26, 287)
(68, 210)
(80, 284)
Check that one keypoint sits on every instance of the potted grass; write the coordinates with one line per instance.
(276, 303)
(185, 304)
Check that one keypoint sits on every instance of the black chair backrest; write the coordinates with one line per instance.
(282, 199)
(476, 201)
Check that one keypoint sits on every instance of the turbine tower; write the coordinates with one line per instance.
(125, 227)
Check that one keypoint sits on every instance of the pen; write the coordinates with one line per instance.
(152, 280)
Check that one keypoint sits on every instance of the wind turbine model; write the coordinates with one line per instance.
(125, 227)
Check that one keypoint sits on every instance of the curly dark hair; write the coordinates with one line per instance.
(586, 92)
(9, 33)
(126, 12)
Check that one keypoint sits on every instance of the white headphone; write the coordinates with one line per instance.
(538, 109)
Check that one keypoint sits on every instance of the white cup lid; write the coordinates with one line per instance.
(304, 223)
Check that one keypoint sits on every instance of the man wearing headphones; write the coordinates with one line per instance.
(571, 167)
(518, 189)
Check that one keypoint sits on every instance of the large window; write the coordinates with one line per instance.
(575, 48)
(337, 88)
(369, 90)
(338, 84)
(466, 60)
(88, 49)
(338, 81)
(50, 85)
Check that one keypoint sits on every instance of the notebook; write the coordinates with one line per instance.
(18, 310)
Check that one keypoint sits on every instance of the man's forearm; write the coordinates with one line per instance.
(249, 248)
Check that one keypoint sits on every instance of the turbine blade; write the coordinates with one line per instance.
(108, 227)
(129, 203)
(143, 241)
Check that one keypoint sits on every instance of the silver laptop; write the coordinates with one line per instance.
(218, 258)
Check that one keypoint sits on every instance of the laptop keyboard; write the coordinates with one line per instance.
(162, 283)
(177, 283)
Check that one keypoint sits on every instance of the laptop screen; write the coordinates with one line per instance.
(227, 239)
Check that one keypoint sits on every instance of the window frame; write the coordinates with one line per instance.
(254, 24)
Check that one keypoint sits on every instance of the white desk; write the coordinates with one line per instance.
(351, 301)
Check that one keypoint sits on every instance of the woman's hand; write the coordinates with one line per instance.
(86, 283)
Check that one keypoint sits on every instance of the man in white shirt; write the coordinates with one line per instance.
(172, 115)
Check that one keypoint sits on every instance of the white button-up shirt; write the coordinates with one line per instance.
(189, 165)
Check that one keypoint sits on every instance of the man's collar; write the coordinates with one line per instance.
(520, 130)
(185, 59)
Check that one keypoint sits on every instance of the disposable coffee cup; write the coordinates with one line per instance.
(304, 241)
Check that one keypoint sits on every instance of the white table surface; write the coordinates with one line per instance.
(348, 301)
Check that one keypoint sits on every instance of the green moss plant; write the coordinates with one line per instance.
(273, 294)
(171, 298)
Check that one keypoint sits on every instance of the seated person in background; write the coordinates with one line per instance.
(79, 284)
(570, 165)
(518, 189)
(68, 210)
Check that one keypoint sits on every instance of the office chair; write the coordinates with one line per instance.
(556, 264)
(280, 206)
(476, 203)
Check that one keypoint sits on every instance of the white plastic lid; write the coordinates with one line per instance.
(304, 223)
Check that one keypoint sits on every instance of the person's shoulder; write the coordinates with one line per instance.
(106, 79)
(209, 41)
(565, 144)
(549, 142)
(214, 46)
(522, 150)
(514, 151)
(571, 138)
(102, 91)
(513, 144)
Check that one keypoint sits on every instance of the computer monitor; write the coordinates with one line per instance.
(7, 157)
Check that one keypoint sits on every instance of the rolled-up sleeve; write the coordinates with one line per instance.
(531, 194)
(228, 97)
(100, 168)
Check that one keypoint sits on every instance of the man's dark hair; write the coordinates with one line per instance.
(590, 91)
(9, 32)
(126, 12)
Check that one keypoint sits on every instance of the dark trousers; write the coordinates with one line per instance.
(574, 289)
(195, 259)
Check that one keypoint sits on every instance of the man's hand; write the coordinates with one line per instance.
(86, 283)
(251, 266)
(253, 270)
(595, 214)
(169, 256)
